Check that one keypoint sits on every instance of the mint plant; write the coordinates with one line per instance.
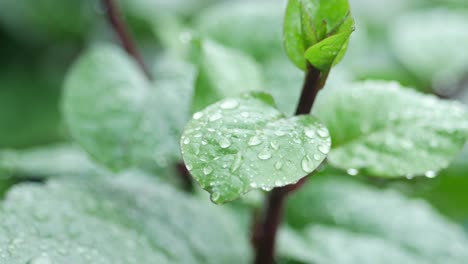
(231, 146)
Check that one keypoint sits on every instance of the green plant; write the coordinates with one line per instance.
(208, 116)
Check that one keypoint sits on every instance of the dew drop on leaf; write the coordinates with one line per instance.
(278, 165)
(274, 145)
(264, 154)
(307, 164)
(352, 172)
(186, 140)
(316, 157)
(224, 142)
(324, 148)
(40, 260)
(430, 174)
(197, 115)
(207, 170)
(229, 104)
(279, 133)
(254, 141)
(309, 133)
(323, 132)
(237, 162)
(215, 117)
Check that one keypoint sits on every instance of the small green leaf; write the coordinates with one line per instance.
(245, 143)
(123, 219)
(385, 130)
(309, 22)
(223, 73)
(335, 212)
(121, 119)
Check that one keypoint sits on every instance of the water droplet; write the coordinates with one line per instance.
(237, 162)
(430, 174)
(207, 170)
(197, 115)
(267, 188)
(323, 132)
(224, 142)
(245, 114)
(409, 176)
(316, 157)
(274, 145)
(278, 183)
(229, 104)
(254, 141)
(309, 133)
(307, 164)
(324, 148)
(352, 172)
(204, 142)
(280, 133)
(278, 165)
(253, 185)
(189, 166)
(215, 196)
(264, 154)
(40, 260)
(186, 140)
(215, 117)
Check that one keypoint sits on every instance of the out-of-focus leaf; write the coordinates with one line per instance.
(245, 143)
(334, 213)
(310, 22)
(120, 118)
(251, 26)
(389, 131)
(125, 220)
(49, 161)
(432, 44)
(224, 72)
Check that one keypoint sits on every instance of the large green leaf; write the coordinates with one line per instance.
(45, 161)
(245, 143)
(309, 22)
(385, 130)
(336, 213)
(121, 119)
(249, 25)
(432, 44)
(130, 219)
(224, 72)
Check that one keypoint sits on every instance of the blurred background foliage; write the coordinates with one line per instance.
(420, 43)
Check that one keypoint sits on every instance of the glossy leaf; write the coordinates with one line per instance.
(334, 213)
(130, 219)
(245, 143)
(224, 72)
(121, 119)
(383, 129)
(308, 23)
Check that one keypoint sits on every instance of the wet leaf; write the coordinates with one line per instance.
(377, 226)
(127, 219)
(383, 129)
(245, 143)
(120, 118)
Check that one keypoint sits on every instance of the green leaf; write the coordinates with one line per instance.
(251, 26)
(45, 161)
(127, 219)
(224, 72)
(121, 119)
(309, 22)
(432, 44)
(245, 143)
(334, 213)
(383, 129)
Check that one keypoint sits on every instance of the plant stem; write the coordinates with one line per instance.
(265, 233)
(117, 22)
